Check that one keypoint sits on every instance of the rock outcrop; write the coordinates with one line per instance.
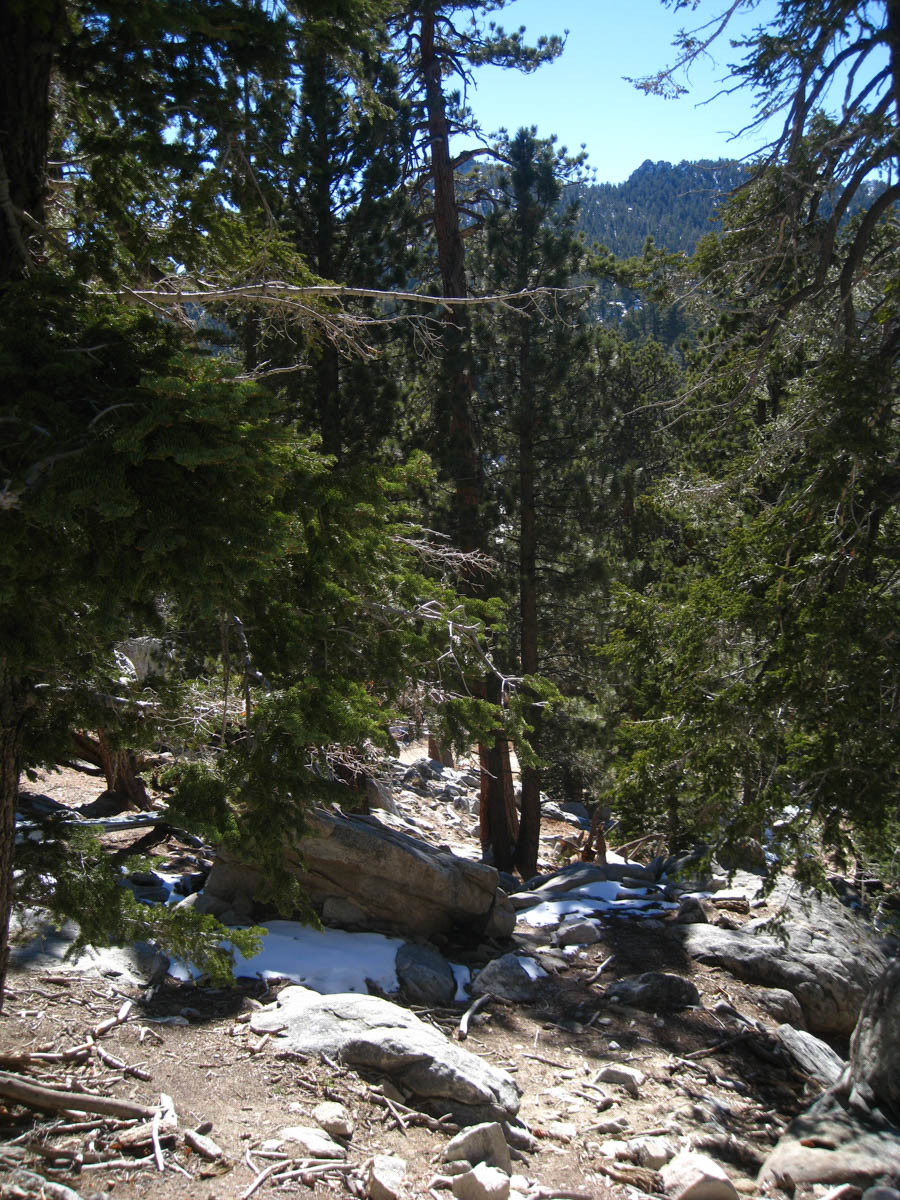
(817, 951)
(833, 1143)
(376, 877)
(875, 1048)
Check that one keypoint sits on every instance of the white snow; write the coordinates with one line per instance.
(463, 976)
(329, 961)
(530, 966)
(591, 900)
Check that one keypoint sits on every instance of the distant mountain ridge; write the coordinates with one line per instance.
(674, 204)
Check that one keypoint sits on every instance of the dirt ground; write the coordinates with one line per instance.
(707, 1077)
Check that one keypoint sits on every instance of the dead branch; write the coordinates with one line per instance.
(26, 1185)
(639, 1177)
(604, 966)
(33, 1095)
(463, 1031)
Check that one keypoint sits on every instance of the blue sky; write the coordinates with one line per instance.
(582, 97)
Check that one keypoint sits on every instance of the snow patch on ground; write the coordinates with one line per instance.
(330, 961)
(596, 899)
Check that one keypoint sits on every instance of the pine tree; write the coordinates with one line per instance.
(772, 646)
(141, 481)
(435, 45)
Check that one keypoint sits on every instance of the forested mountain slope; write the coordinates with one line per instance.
(674, 204)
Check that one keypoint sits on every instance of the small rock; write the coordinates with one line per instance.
(563, 1131)
(482, 1183)
(151, 895)
(483, 1143)
(692, 1176)
(782, 1005)
(630, 1078)
(511, 977)
(458, 1167)
(694, 910)
(652, 1152)
(848, 1191)
(502, 918)
(519, 1136)
(655, 991)
(614, 1125)
(313, 1142)
(380, 795)
(145, 879)
(384, 1177)
(425, 976)
(578, 933)
(334, 1119)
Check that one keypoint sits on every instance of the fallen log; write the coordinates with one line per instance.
(33, 1095)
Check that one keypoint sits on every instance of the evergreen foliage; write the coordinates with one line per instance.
(767, 694)
(691, 504)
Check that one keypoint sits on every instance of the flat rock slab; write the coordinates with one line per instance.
(828, 959)
(830, 1144)
(365, 1031)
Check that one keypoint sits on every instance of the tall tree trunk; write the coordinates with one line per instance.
(462, 454)
(526, 855)
(29, 38)
(455, 419)
(320, 181)
(14, 704)
(499, 819)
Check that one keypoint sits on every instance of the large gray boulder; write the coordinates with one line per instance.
(390, 881)
(875, 1047)
(818, 951)
(815, 1057)
(831, 1144)
(365, 1031)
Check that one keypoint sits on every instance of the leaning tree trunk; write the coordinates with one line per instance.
(120, 768)
(462, 453)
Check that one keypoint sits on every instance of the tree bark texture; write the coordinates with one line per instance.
(319, 184)
(456, 423)
(120, 767)
(455, 420)
(29, 38)
(14, 704)
(529, 831)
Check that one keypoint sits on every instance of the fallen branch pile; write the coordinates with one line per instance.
(83, 1130)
